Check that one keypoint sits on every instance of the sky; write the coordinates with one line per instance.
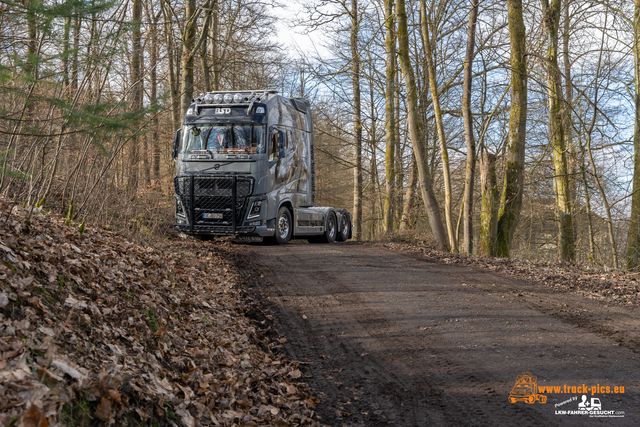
(293, 37)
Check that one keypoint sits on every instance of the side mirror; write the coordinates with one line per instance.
(176, 143)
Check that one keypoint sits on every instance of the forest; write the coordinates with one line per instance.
(500, 128)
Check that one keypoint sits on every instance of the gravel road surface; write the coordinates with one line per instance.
(387, 338)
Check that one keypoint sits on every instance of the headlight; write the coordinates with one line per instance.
(228, 98)
(218, 98)
(259, 110)
(238, 98)
(254, 212)
(208, 99)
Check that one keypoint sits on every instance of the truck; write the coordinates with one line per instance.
(245, 167)
(526, 390)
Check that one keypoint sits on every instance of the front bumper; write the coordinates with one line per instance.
(218, 231)
(212, 204)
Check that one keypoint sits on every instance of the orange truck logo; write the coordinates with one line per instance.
(526, 390)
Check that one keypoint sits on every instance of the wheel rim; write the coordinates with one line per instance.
(345, 228)
(331, 225)
(283, 226)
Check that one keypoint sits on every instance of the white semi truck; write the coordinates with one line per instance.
(245, 167)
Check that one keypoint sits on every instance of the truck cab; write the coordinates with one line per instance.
(245, 167)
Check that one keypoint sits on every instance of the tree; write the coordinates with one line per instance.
(437, 110)
(357, 121)
(390, 122)
(468, 129)
(136, 93)
(557, 111)
(511, 199)
(633, 247)
(424, 177)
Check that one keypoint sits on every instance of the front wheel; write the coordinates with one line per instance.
(284, 228)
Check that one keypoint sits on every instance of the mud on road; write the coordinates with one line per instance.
(391, 338)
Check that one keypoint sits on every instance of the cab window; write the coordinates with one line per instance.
(276, 144)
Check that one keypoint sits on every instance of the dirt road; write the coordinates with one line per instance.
(389, 338)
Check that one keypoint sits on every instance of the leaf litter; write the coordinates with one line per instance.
(96, 330)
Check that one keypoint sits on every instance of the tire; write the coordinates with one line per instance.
(512, 400)
(542, 398)
(531, 400)
(330, 231)
(284, 226)
(345, 228)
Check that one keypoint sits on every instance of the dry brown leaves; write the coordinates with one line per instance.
(616, 287)
(97, 330)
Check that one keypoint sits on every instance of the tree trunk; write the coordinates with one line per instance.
(32, 43)
(511, 200)
(566, 239)
(488, 213)
(468, 129)
(596, 178)
(173, 81)
(389, 121)
(188, 46)
(399, 150)
(607, 205)
(357, 123)
(76, 48)
(410, 194)
(633, 247)
(587, 206)
(136, 99)
(65, 57)
(89, 63)
(372, 182)
(572, 159)
(428, 196)
(206, 70)
(435, 97)
(153, 91)
(215, 33)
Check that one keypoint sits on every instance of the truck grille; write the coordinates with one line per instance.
(214, 201)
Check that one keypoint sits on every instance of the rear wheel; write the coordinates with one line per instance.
(345, 228)
(284, 228)
(330, 231)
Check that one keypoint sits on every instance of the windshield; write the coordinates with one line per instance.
(224, 138)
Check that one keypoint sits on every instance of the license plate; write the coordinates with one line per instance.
(249, 239)
(213, 215)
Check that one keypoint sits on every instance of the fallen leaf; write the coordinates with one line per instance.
(34, 418)
(103, 411)
(295, 374)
